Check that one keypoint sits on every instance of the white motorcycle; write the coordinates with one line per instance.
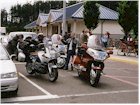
(61, 55)
(43, 62)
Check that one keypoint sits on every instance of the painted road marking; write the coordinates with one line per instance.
(124, 81)
(125, 77)
(37, 86)
(124, 60)
(31, 98)
(28, 98)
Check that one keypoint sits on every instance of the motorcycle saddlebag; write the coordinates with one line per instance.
(76, 60)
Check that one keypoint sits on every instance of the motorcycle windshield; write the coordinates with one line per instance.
(94, 42)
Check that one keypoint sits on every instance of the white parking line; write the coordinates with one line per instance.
(100, 93)
(28, 98)
(31, 98)
(124, 81)
(40, 88)
(125, 77)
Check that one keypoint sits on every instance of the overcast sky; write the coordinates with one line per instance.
(7, 4)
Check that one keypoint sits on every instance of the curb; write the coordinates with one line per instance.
(124, 60)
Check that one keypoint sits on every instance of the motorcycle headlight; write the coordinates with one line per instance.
(9, 75)
(53, 54)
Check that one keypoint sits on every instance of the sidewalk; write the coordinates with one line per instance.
(128, 59)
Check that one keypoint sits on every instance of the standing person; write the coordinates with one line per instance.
(129, 39)
(83, 37)
(12, 45)
(71, 43)
(105, 39)
(66, 36)
(40, 37)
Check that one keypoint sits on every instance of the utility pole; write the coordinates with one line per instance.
(0, 20)
(64, 18)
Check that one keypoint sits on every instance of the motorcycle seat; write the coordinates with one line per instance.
(34, 53)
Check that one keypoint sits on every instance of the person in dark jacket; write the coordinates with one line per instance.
(66, 36)
(25, 47)
(71, 43)
(12, 45)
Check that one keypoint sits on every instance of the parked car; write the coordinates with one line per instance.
(11, 35)
(9, 75)
(25, 34)
(4, 39)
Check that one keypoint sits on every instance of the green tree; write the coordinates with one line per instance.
(4, 16)
(91, 14)
(22, 15)
(135, 27)
(127, 15)
(110, 4)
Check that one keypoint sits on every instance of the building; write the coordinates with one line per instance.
(52, 23)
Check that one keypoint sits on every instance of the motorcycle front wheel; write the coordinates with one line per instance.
(61, 62)
(29, 68)
(52, 73)
(94, 77)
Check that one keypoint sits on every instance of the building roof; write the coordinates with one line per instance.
(31, 25)
(73, 11)
(41, 20)
(105, 13)
(54, 14)
(70, 10)
(79, 13)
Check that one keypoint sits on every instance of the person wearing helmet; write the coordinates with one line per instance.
(40, 37)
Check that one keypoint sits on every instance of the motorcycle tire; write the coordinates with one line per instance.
(61, 62)
(94, 77)
(53, 75)
(79, 74)
(29, 68)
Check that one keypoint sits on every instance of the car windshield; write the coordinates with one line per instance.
(3, 54)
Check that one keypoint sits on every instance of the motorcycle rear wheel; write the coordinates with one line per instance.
(94, 77)
(29, 69)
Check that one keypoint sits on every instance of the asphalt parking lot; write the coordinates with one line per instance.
(118, 85)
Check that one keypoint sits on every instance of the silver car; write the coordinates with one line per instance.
(8, 72)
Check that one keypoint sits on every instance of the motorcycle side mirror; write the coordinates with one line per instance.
(13, 56)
